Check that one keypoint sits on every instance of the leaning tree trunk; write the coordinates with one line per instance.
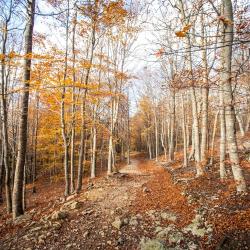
(22, 139)
(226, 80)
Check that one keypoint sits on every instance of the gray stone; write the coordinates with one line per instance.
(192, 246)
(57, 225)
(196, 227)
(125, 221)
(151, 245)
(35, 229)
(133, 221)
(86, 234)
(168, 216)
(162, 233)
(117, 223)
(175, 237)
(69, 246)
(59, 215)
(41, 239)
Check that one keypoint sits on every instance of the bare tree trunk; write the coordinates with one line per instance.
(4, 113)
(163, 139)
(242, 131)
(172, 127)
(156, 136)
(185, 158)
(213, 137)
(226, 78)
(222, 137)
(204, 120)
(63, 120)
(1, 176)
(93, 165)
(82, 152)
(22, 139)
(72, 151)
(128, 140)
(35, 145)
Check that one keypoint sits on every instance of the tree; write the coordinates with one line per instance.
(22, 135)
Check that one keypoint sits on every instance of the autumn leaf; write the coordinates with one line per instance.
(187, 28)
(180, 34)
(225, 20)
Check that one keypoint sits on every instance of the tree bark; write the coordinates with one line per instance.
(222, 137)
(226, 79)
(185, 158)
(22, 139)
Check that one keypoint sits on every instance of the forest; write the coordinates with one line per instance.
(125, 124)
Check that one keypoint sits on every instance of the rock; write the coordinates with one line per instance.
(125, 221)
(192, 246)
(168, 216)
(162, 233)
(75, 205)
(120, 241)
(151, 245)
(175, 237)
(102, 233)
(41, 239)
(196, 227)
(145, 190)
(71, 197)
(109, 242)
(35, 229)
(117, 223)
(57, 225)
(86, 234)
(151, 214)
(59, 215)
(133, 221)
(68, 246)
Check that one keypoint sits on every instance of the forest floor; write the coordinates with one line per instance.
(147, 205)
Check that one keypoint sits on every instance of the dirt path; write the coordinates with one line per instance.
(138, 208)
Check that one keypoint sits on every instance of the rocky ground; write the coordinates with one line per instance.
(146, 206)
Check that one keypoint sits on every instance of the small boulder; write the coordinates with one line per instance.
(168, 216)
(75, 205)
(59, 215)
(117, 223)
(151, 245)
(133, 221)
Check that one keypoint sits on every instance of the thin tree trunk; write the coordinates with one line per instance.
(222, 137)
(82, 152)
(22, 139)
(156, 137)
(172, 127)
(213, 137)
(72, 151)
(204, 120)
(242, 131)
(185, 158)
(4, 112)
